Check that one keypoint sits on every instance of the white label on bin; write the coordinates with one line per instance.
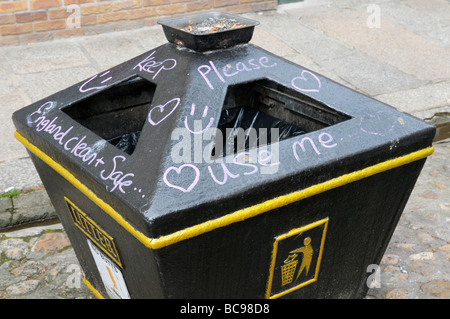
(111, 275)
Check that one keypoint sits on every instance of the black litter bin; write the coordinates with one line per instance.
(211, 168)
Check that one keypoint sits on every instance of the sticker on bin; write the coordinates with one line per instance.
(296, 259)
(111, 275)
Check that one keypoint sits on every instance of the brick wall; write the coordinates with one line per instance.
(28, 21)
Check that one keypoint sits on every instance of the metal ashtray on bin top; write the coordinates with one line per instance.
(225, 172)
(208, 31)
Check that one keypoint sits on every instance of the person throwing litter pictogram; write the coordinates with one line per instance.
(307, 252)
(290, 264)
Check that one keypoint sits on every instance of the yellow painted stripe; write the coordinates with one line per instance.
(237, 216)
(92, 289)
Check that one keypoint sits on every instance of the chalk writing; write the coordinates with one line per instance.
(82, 150)
(93, 87)
(139, 191)
(306, 82)
(241, 160)
(119, 178)
(151, 66)
(205, 112)
(78, 147)
(380, 123)
(229, 70)
(43, 110)
(74, 144)
(178, 171)
(226, 173)
(164, 109)
(324, 140)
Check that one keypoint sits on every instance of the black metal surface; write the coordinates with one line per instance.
(166, 89)
(211, 41)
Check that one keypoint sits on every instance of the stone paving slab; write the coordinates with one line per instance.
(29, 206)
(356, 67)
(18, 174)
(413, 100)
(391, 44)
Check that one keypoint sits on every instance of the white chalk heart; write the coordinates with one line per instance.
(162, 109)
(305, 79)
(178, 171)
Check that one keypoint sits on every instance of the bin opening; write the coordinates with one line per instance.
(116, 114)
(253, 108)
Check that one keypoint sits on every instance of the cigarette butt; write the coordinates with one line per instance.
(213, 30)
(190, 28)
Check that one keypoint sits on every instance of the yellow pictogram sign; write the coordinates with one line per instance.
(104, 241)
(296, 259)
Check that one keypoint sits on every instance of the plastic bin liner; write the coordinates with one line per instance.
(247, 118)
(231, 119)
(126, 142)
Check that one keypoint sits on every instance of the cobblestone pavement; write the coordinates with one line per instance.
(416, 263)
(39, 262)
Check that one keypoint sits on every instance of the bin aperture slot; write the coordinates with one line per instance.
(256, 107)
(116, 114)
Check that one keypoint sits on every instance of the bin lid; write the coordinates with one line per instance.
(173, 96)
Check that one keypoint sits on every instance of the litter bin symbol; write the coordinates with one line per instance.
(288, 270)
(296, 258)
(290, 264)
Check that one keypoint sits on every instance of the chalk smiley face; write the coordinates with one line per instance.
(166, 109)
(205, 111)
(178, 171)
(306, 82)
(380, 123)
(82, 88)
